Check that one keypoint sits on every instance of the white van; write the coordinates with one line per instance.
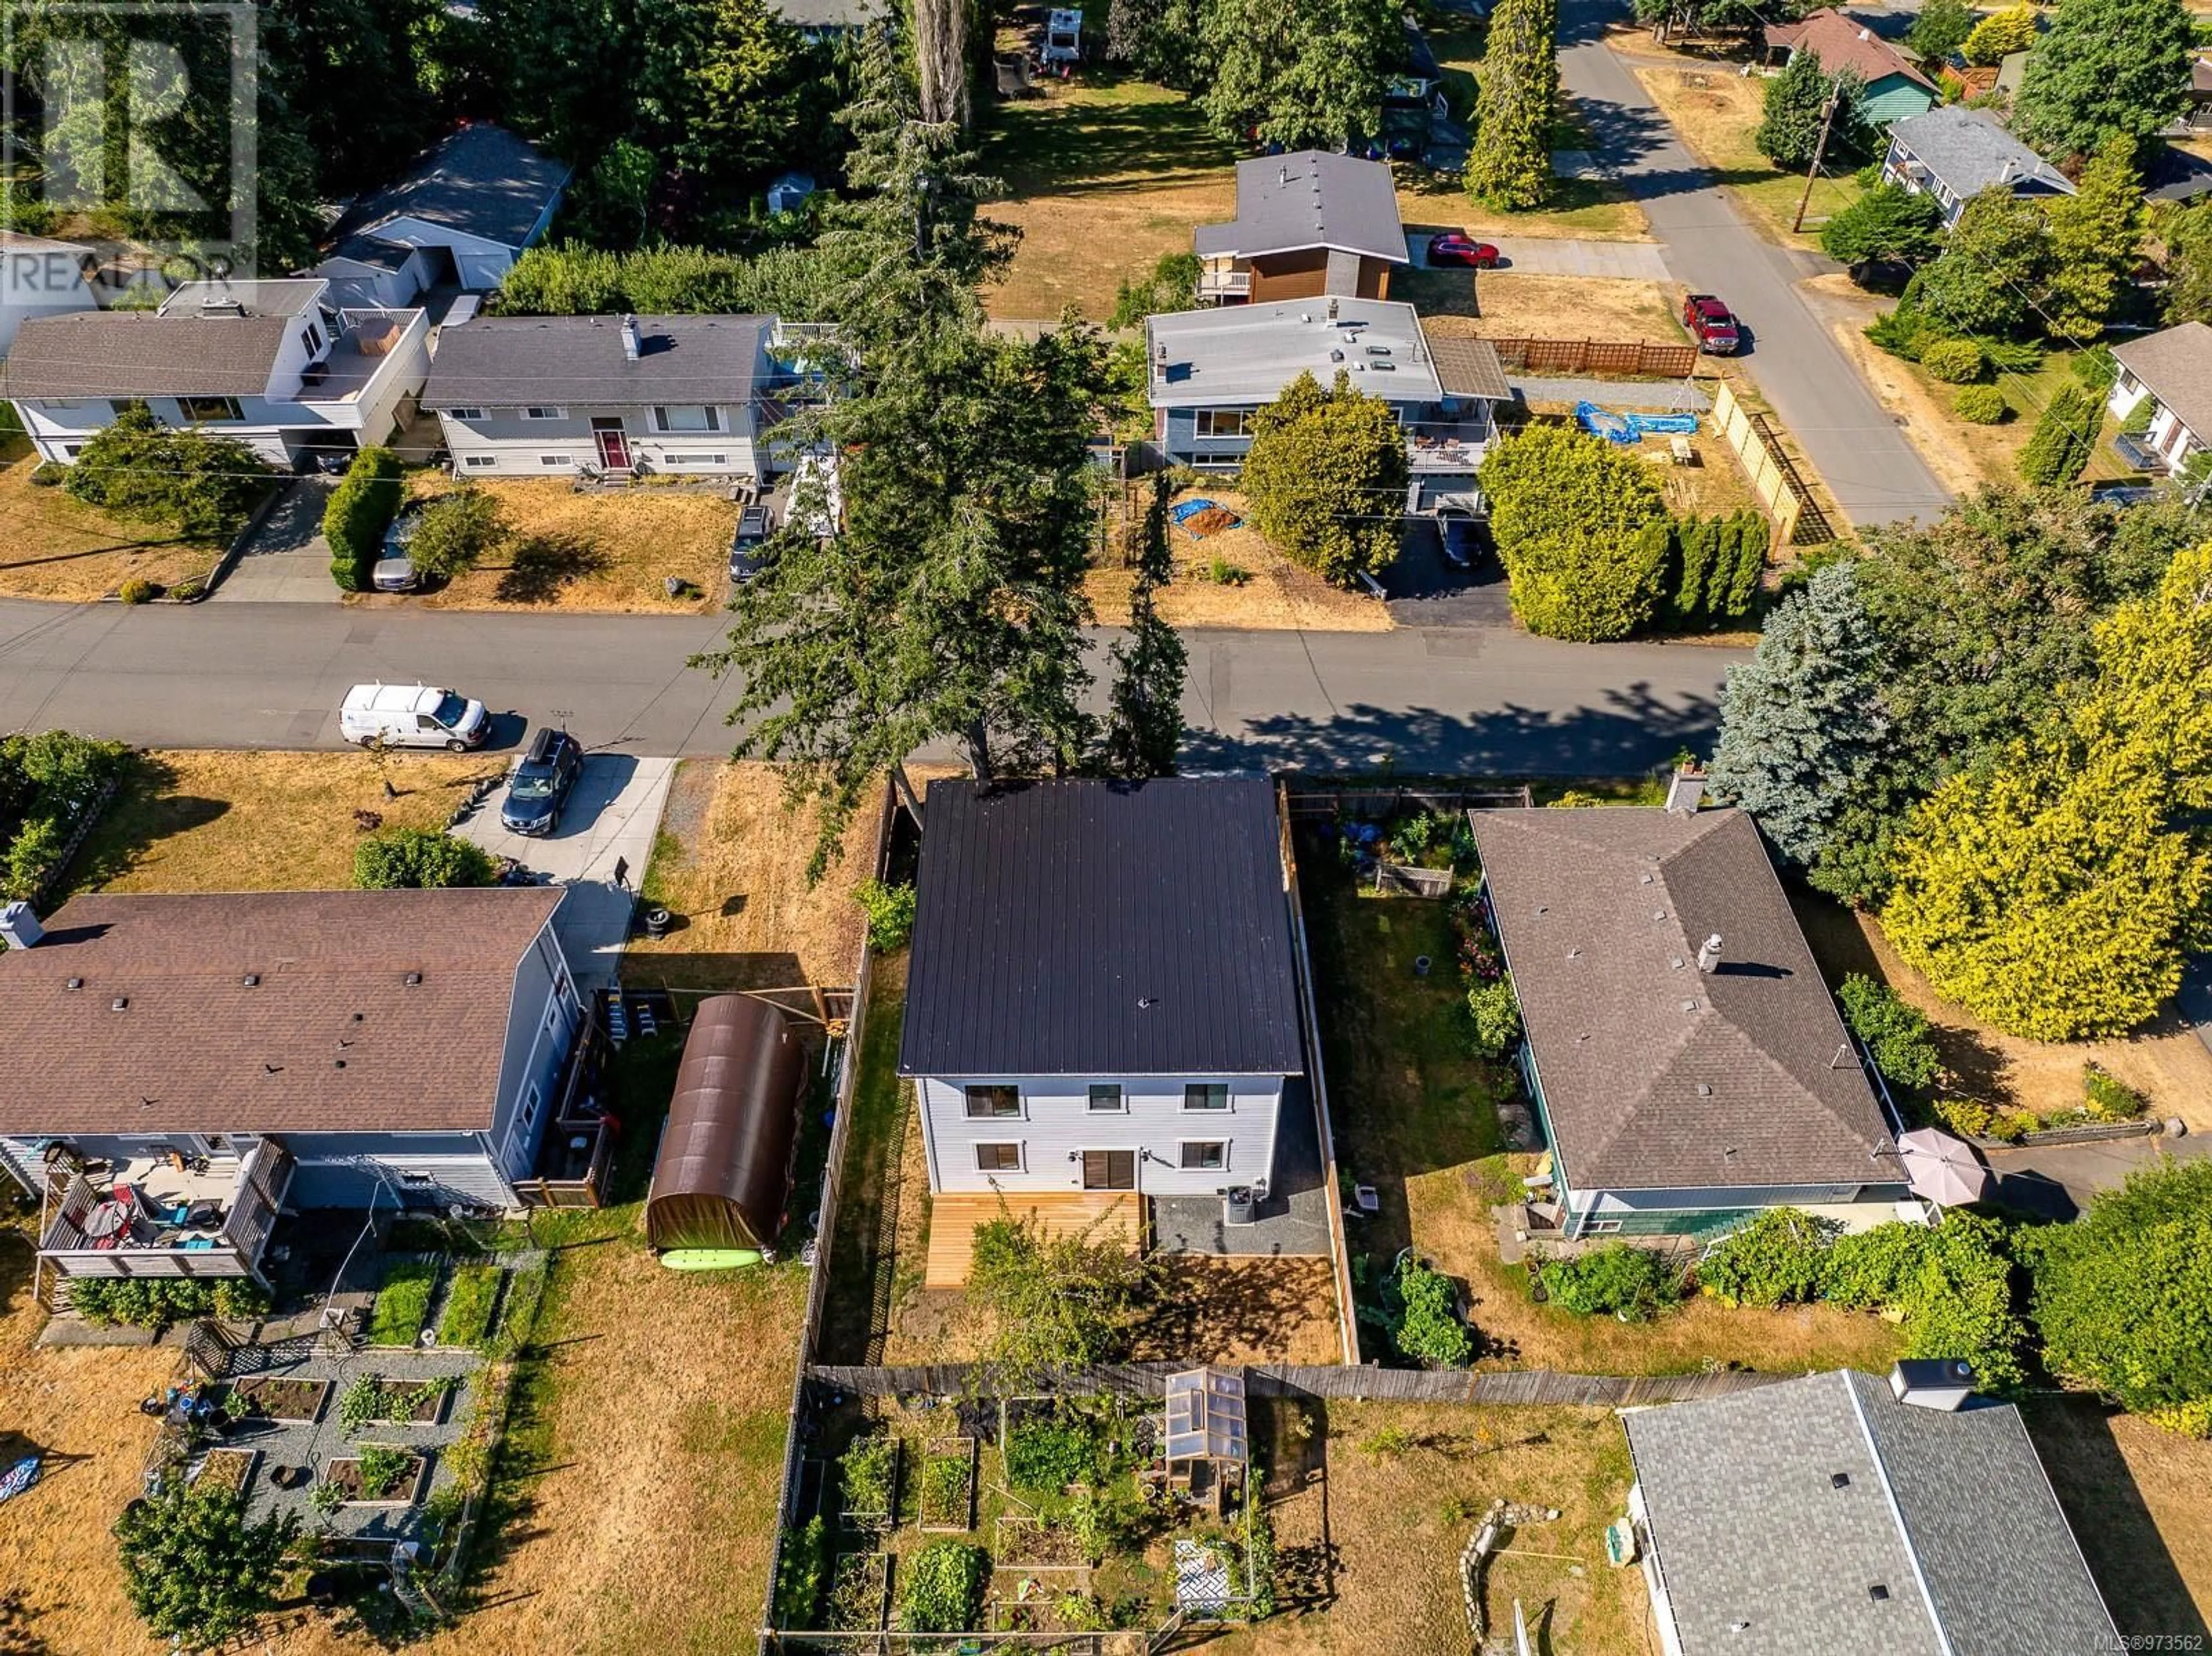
(412, 716)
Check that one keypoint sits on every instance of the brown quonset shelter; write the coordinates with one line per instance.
(724, 1171)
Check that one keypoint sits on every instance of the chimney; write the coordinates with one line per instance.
(632, 341)
(2011, 168)
(1866, 34)
(1686, 790)
(20, 927)
(1332, 307)
(1709, 953)
(1942, 1383)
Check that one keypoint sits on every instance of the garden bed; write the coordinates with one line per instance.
(228, 1470)
(269, 1396)
(860, 1599)
(373, 1400)
(1033, 1544)
(869, 1469)
(472, 1305)
(345, 1474)
(403, 1302)
(946, 1484)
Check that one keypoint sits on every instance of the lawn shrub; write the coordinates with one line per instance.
(1496, 1011)
(1960, 1302)
(419, 858)
(359, 511)
(135, 467)
(1898, 1035)
(866, 1472)
(890, 910)
(1955, 361)
(1775, 1260)
(1428, 1328)
(197, 1572)
(1872, 1269)
(943, 1588)
(1050, 1454)
(1972, 1118)
(138, 590)
(1981, 405)
(1632, 1284)
(802, 1569)
(1569, 512)
(456, 532)
(2108, 1096)
(403, 1302)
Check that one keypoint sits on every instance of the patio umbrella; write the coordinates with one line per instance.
(1942, 1168)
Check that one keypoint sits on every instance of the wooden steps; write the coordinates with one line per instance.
(954, 1216)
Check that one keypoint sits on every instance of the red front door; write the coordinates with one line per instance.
(614, 444)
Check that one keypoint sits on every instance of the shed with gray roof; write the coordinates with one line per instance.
(1685, 1057)
(1825, 1516)
(1952, 153)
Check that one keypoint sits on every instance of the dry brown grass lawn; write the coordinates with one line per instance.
(1276, 593)
(62, 1589)
(607, 552)
(1374, 1564)
(1518, 305)
(1247, 1310)
(54, 547)
(1598, 211)
(194, 820)
(731, 865)
(2167, 1062)
(1716, 110)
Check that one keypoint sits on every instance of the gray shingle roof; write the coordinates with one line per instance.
(1102, 929)
(510, 361)
(124, 353)
(1246, 354)
(1309, 199)
(1969, 152)
(482, 181)
(2176, 363)
(1655, 1075)
(215, 1054)
(1763, 1554)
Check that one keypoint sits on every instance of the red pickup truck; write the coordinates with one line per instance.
(1709, 325)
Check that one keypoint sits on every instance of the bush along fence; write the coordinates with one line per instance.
(53, 786)
(1365, 1383)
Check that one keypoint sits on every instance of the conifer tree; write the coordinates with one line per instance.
(1144, 727)
(1510, 164)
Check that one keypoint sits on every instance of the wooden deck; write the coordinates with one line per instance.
(954, 1216)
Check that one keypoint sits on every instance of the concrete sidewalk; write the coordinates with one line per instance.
(1650, 396)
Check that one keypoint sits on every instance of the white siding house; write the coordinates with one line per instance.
(2171, 370)
(267, 363)
(1102, 995)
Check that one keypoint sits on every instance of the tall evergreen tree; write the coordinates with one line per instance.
(2060, 445)
(2106, 66)
(1801, 722)
(2096, 236)
(1144, 726)
(2187, 233)
(1795, 104)
(1510, 163)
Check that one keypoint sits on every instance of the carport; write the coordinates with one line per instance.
(723, 1175)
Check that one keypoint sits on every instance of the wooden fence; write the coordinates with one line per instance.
(1774, 477)
(1306, 802)
(1646, 357)
(1365, 1383)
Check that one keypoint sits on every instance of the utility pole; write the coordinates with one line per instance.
(1820, 149)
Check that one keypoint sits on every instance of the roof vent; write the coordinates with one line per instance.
(1658, 913)
(1336, 356)
(1689, 1006)
(120, 1003)
(74, 983)
(1709, 953)
(252, 980)
(1866, 34)
(1839, 1480)
(1705, 1089)
(414, 979)
(1879, 1592)
(1674, 963)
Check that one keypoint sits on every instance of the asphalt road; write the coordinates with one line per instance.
(1816, 391)
(1465, 699)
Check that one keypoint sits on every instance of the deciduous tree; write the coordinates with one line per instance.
(1510, 163)
(2096, 237)
(455, 532)
(1940, 28)
(1569, 512)
(195, 1570)
(2188, 236)
(1298, 73)
(2106, 67)
(1325, 477)
(1991, 267)
(2001, 33)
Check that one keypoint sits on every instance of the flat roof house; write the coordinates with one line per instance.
(1835, 1514)
(1212, 370)
(1895, 87)
(619, 395)
(1307, 223)
(1954, 154)
(458, 218)
(1685, 1059)
(1101, 1003)
(2173, 370)
(180, 1066)
(278, 365)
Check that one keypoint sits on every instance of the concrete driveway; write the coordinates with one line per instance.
(2057, 1181)
(1639, 261)
(287, 561)
(606, 830)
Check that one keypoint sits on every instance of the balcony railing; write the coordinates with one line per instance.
(87, 1231)
(1224, 284)
(571, 1164)
(1441, 447)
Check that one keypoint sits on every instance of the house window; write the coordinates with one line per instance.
(1107, 1098)
(994, 1103)
(553, 460)
(546, 411)
(1205, 1155)
(1210, 1096)
(464, 413)
(311, 338)
(205, 410)
(531, 1100)
(1224, 422)
(687, 419)
(116, 408)
(698, 460)
(1601, 1226)
(999, 1158)
(72, 449)
(417, 1180)
(480, 459)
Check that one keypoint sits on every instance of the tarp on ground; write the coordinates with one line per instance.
(723, 1175)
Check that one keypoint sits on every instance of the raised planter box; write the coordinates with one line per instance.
(874, 1520)
(410, 1402)
(861, 1596)
(345, 1473)
(269, 1396)
(226, 1469)
(948, 1516)
(1030, 1543)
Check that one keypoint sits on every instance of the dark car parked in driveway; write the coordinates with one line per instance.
(748, 546)
(543, 780)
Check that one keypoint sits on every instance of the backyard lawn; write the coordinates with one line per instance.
(606, 552)
(200, 820)
(53, 546)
